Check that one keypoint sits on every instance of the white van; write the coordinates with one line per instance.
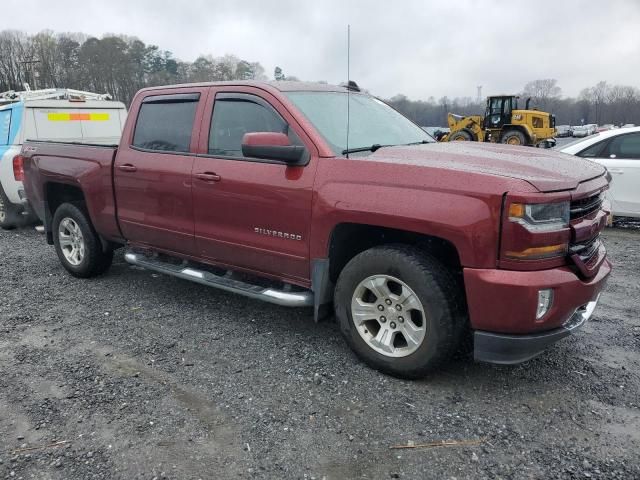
(54, 114)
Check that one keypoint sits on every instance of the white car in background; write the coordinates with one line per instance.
(619, 151)
(53, 115)
(579, 131)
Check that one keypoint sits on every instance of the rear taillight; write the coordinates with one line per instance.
(534, 231)
(18, 168)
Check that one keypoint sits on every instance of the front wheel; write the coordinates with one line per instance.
(461, 136)
(400, 310)
(77, 244)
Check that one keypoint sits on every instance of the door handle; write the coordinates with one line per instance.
(127, 167)
(615, 170)
(208, 177)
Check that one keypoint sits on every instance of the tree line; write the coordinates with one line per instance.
(121, 65)
(115, 64)
(602, 104)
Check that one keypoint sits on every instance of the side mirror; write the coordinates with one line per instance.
(271, 146)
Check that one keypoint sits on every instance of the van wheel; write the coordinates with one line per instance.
(9, 213)
(77, 244)
(400, 310)
(514, 137)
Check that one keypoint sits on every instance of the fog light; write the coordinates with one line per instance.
(545, 300)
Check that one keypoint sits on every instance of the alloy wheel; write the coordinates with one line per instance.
(71, 241)
(388, 315)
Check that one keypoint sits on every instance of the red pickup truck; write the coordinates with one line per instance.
(258, 189)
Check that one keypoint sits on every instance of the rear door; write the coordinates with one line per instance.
(254, 214)
(152, 171)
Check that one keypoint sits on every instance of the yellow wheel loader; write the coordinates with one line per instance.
(504, 123)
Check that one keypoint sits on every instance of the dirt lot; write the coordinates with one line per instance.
(137, 375)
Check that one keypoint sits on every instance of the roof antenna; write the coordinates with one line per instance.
(348, 83)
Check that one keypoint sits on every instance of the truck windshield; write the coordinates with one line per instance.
(371, 121)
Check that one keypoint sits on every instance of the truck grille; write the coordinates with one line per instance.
(585, 206)
(586, 250)
(587, 221)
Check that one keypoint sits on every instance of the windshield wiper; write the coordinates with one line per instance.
(377, 146)
(372, 148)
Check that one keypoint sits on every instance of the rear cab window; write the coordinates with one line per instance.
(165, 122)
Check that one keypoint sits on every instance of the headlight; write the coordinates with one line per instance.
(540, 217)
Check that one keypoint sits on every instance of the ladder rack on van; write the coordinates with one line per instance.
(52, 94)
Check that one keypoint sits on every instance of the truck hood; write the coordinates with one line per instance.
(546, 170)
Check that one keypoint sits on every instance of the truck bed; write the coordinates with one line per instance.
(68, 167)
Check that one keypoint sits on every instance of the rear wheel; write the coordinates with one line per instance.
(514, 137)
(461, 136)
(10, 216)
(400, 310)
(77, 244)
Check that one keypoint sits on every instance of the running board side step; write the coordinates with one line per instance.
(186, 272)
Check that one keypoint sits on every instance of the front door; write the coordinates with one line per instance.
(152, 174)
(250, 213)
(621, 156)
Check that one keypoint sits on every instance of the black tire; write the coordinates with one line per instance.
(95, 260)
(10, 216)
(435, 285)
(461, 136)
(514, 137)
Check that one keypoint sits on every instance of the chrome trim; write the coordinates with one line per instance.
(270, 295)
(581, 315)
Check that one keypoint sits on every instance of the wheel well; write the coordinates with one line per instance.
(350, 239)
(59, 193)
(55, 195)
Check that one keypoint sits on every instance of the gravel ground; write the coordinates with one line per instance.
(137, 375)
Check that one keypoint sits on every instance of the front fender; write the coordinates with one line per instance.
(469, 222)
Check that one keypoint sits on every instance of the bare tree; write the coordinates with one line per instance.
(116, 64)
(544, 92)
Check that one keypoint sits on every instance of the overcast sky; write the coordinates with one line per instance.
(419, 48)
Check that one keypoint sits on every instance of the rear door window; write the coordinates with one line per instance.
(165, 122)
(5, 125)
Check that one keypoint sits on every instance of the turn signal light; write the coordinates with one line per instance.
(516, 210)
(534, 253)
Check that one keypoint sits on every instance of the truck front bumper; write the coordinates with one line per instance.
(509, 349)
(503, 306)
